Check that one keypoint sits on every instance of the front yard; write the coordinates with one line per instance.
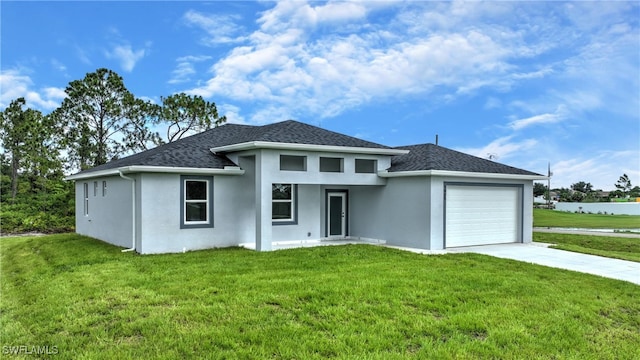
(89, 300)
(554, 218)
(607, 246)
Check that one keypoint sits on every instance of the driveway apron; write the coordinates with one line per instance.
(539, 254)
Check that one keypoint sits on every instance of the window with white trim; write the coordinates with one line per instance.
(95, 188)
(86, 198)
(104, 188)
(197, 202)
(283, 197)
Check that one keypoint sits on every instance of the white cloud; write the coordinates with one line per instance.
(323, 59)
(126, 56)
(220, 28)
(290, 62)
(58, 66)
(14, 84)
(186, 68)
(232, 113)
(501, 148)
(547, 118)
(602, 170)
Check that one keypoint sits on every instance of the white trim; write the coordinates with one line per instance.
(228, 170)
(467, 174)
(306, 147)
(206, 201)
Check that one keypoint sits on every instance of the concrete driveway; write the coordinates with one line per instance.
(540, 254)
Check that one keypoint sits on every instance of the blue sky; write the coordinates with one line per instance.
(525, 83)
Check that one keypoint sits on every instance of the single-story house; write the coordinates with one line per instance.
(289, 181)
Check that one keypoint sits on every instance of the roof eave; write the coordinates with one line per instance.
(306, 147)
(468, 174)
(227, 170)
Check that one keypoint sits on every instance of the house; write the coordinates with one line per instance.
(290, 181)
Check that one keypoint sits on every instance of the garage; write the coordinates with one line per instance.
(482, 214)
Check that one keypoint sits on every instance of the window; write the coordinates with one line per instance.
(197, 202)
(283, 209)
(86, 199)
(104, 188)
(293, 163)
(95, 188)
(331, 164)
(364, 166)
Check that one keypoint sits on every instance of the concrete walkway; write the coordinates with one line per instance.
(538, 253)
(587, 232)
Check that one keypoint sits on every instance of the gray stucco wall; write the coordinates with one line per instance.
(308, 217)
(109, 217)
(409, 211)
(397, 213)
(160, 202)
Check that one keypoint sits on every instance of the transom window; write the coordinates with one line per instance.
(329, 164)
(365, 166)
(293, 163)
(283, 203)
(196, 202)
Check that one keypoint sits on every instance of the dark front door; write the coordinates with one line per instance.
(337, 214)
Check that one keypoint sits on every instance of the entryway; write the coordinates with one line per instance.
(336, 216)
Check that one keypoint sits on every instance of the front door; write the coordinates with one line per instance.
(336, 214)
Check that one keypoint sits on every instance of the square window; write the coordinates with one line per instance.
(365, 166)
(293, 163)
(328, 164)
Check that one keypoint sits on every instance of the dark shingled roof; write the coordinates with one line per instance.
(290, 132)
(193, 151)
(434, 157)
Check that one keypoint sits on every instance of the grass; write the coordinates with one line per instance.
(553, 218)
(613, 247)
(91, 301)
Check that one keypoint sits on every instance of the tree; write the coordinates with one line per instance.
(635, 191)
(31, 141)
(624, 185)
(539, 189)
(583, 187)
(187, 114)
(103, 119)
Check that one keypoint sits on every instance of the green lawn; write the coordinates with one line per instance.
(91, 301)
(613, 247)
(553, 218)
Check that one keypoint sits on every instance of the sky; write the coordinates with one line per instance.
(522, 83)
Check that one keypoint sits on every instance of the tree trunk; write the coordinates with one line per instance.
(14, 177)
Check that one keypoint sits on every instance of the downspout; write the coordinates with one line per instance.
(133, 211)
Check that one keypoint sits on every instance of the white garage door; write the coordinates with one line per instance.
(479, 215)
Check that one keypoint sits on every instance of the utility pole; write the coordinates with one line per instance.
(549, 173)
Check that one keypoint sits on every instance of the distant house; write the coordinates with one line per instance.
(262, 185)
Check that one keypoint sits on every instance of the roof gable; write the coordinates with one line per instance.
(434, 157)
